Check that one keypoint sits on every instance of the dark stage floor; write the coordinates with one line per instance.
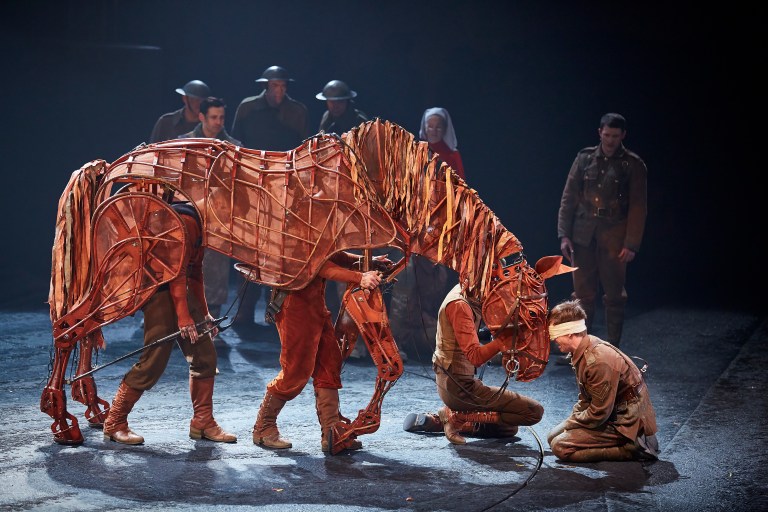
(707, 378)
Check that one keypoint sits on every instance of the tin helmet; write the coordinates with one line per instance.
(336, 90)
(274, 73)
(195, 89)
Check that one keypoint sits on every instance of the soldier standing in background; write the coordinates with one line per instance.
(216, 266)
(341, 116)
(171, 125)
(601, 221)
(271, 121)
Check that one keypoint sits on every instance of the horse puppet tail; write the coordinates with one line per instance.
(72, 243)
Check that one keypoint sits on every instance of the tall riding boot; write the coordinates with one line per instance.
(327, 405)
(614, 322)
(116, 425)
(451, 426)
(601, 454)
(203, 426)
(265, 430)
(484, 424)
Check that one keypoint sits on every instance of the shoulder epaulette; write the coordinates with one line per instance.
(632, 154)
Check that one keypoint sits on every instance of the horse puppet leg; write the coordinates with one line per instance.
(53, 401)
(369, 315)
(84, 389)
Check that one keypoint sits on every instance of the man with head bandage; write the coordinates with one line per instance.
(613, 418)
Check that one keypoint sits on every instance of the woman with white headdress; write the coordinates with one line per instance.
(437, 130)
(417, 294)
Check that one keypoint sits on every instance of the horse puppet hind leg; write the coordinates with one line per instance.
(368, 313)
(53, 401)
(84, 389)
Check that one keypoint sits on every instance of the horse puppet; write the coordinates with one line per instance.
(281, 215)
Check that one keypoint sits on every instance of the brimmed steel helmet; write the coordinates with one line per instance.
(336, 90)
(196, 89)
(274, 73)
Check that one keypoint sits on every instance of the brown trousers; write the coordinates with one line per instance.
(466, 393)
(565, 442)
(599, 267)
(159, 321)
(308, 344)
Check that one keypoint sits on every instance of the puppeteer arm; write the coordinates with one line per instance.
(189, 279)
(460, 316)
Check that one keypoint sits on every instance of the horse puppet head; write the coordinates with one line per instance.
(515, 311)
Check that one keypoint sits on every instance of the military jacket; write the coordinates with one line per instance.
(351, 118)
(260, 126)
(604, 197)
(197, 133)
(169, 126)
(605, 376)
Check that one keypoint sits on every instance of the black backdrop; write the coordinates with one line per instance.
(525, 83)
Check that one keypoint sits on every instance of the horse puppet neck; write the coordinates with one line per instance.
(445, 219)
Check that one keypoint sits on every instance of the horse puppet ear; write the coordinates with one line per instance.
(549, 266)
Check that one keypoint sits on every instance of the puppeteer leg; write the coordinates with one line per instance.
(203, 425)
(116, 425)
(474, 423)
(422, 422)
(451, 427)
(265, 430)
(327, 405)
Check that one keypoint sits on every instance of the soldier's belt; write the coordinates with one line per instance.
(606, 212)
(631, 393)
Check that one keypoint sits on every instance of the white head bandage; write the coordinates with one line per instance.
(555, 331)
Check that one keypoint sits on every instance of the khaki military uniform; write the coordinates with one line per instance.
(614, 407)
(603, 209)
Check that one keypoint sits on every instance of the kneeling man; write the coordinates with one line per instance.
(613, 418)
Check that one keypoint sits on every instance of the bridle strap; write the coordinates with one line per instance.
(514, 309)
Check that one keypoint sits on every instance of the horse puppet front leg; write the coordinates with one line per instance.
(53, 400)
(368, 312)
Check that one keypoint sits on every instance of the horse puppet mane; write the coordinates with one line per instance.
(446, 220)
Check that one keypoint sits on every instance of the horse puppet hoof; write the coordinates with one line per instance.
(69, 440)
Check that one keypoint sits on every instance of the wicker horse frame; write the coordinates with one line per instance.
(282, 215)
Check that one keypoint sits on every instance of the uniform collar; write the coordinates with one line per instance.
(618, 154)
(579, 352)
